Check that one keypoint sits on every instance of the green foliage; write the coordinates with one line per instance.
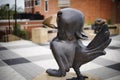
(4, 11)
(109, 21)
(20, 33)
(89, 23)
(16, 30)
(24, 34)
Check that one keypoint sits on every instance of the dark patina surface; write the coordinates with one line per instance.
(67, 48)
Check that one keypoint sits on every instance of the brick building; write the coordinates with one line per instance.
(92, 9)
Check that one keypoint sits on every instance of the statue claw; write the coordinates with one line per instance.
(57, 73)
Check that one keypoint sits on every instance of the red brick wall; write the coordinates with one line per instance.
(52, 8)
(93, 9)
(28, 10)
(27, 25)
(118, 12)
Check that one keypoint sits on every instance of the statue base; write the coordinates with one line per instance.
(45, 76)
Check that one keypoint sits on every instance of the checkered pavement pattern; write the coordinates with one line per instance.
(24, 60)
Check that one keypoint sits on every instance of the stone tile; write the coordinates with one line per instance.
(8, 54)
(16, 61)
(28, 70)
(2, 63)
(40, 57)
(32, 51)
(21, 46)
(114, 43)
(7, 73)
(116, 37)
(89, 66)
(112, 55)
(115, 66)
(114, 47)
(103, 72)
(15, 43)
(114, 78)
(104, 61)
(3, 48)
(46, 64)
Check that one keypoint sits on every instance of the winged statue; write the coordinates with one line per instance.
(67, 47)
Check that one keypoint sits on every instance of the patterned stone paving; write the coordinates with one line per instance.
(24, 60)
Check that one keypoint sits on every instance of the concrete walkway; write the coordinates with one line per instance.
(24, 60)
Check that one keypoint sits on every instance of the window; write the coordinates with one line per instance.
(64, 3)
(37, 2)
(28, 3)
(25, 3)
(46, 5)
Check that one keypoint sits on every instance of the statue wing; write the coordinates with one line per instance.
(102, 38)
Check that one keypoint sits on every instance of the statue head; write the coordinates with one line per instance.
(69, 21)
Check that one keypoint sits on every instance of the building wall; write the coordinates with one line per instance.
(118, 12)
(52, 8)
(28, 10)
(28, 6)
(92, 9)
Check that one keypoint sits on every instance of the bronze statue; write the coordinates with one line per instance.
(67, 48)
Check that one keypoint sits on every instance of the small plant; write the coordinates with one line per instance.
(89, 23)
(109, 21)
(24, 34)
(16, 30)
(20, 33)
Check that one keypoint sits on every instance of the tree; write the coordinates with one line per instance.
(4, 11)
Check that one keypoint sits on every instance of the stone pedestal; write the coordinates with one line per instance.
(39, 35)
(45, 76)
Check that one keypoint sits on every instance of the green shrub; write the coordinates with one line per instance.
(109, 21)
(89, 23)
(16, 30)
(20, 33)
(24, 34)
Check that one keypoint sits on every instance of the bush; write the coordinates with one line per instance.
(16, 30)
(109, 21)
(24, 34)
(20, 33)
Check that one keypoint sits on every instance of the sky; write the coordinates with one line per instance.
(20, 3)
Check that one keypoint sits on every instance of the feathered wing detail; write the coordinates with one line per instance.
(101, 38)
(95, 48)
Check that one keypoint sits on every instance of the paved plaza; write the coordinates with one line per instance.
(24, 60)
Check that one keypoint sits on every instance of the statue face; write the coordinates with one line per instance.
(69, 22)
